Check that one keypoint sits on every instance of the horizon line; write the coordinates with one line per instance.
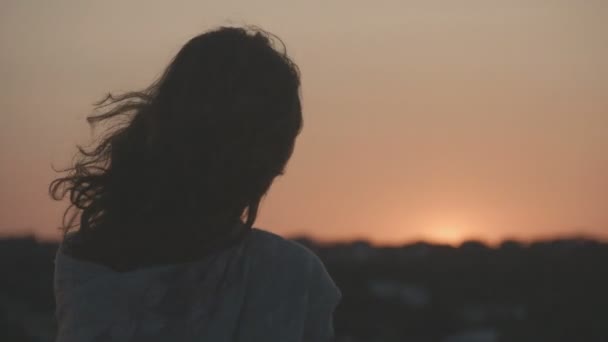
(15, 235)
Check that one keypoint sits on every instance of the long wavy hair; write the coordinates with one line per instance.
(189, 156)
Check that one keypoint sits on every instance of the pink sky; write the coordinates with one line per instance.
(423, 119)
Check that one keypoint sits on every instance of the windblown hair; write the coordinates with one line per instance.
(191, 155)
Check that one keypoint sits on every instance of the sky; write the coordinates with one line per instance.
(424, 119)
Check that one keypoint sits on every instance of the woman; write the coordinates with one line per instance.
(158, 243)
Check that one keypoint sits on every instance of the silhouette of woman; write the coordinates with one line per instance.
(159, 243)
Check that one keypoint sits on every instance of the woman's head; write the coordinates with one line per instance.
(199, 148)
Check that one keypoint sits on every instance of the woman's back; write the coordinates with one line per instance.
(263, 288)
(159, 244)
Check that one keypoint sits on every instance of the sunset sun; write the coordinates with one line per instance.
(452, 234)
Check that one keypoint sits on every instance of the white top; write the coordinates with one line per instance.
(265, 288)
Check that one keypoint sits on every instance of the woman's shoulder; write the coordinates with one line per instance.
(293, 263)
(279, 254)
(268, 245)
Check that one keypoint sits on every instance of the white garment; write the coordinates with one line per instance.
(265, 288)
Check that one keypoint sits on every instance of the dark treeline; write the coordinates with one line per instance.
(544, 291)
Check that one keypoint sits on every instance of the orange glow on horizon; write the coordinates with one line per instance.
(451, 235)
